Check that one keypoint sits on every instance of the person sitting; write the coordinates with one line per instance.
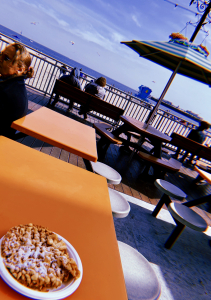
(72, 79)
(63, 70)
(198, 135)
(15, 67)
(95, 88)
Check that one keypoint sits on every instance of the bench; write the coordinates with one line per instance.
(103, 129)
(90, 102)
(182, 142)
(159, 165)
(106, 139)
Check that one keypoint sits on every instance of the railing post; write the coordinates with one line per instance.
(128, 102)
(50, 78)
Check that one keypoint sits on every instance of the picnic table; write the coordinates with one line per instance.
(147, 131)
(74, 203)
(60, 131)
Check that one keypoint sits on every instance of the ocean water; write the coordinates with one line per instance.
(66, 60)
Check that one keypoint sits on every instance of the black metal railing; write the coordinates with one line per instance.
(48, 69)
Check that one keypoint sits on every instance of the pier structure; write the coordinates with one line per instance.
(48, 69)
(179, 274)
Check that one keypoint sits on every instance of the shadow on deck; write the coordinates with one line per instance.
(132, 184)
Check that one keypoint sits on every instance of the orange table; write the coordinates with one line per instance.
(74, 204)
(60, 131)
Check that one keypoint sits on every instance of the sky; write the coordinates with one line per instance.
(98, 26)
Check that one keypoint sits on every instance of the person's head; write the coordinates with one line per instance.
(75, 72)
(63, 69)
(15, 60)
(101, 81)
(203, 125)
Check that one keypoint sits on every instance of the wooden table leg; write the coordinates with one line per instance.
(102, 147)
(121, 129)
(157, 149)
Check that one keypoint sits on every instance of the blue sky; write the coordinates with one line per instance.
(98, 26)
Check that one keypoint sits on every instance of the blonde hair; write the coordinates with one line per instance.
(23, 58)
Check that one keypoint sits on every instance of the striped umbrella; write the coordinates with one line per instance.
(185, 59)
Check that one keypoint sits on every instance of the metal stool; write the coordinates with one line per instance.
(184, 216)
(140, 278)
(119, 205)
(169, 190)
(104, 170)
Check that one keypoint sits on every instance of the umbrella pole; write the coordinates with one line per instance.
(153, 112)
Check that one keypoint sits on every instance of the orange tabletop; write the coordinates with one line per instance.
(73, 202)
(203, 174)
(60, 131)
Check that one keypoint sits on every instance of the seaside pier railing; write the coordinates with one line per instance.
(48, 69)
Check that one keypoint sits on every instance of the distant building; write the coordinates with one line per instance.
(192, 114)
(167, 102)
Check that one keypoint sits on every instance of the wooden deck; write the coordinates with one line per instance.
(132, 182)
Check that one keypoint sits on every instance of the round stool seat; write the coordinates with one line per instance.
(140, 278)
(187, 216)
(169, 189)
(104, 170)
(119, 205)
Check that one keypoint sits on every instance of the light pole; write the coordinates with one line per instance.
(200, 5)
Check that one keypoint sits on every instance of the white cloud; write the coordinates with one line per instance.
(100, 26)
(134, 18)
(54, 16)
(117, 37)
(75, 19)
(95, 37)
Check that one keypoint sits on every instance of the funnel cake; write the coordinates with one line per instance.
(37, 258)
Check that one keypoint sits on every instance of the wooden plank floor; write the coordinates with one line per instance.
(132, 183)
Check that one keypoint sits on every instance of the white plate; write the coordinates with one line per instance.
(59, 293)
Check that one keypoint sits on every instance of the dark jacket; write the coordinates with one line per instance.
(13, 103)
(197, 136)
(72, 79)
(95, 89)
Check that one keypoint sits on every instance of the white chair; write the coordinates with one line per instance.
(184, 216)
(119, 205)
(140, 278)
(104, 170)
(169, 190)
